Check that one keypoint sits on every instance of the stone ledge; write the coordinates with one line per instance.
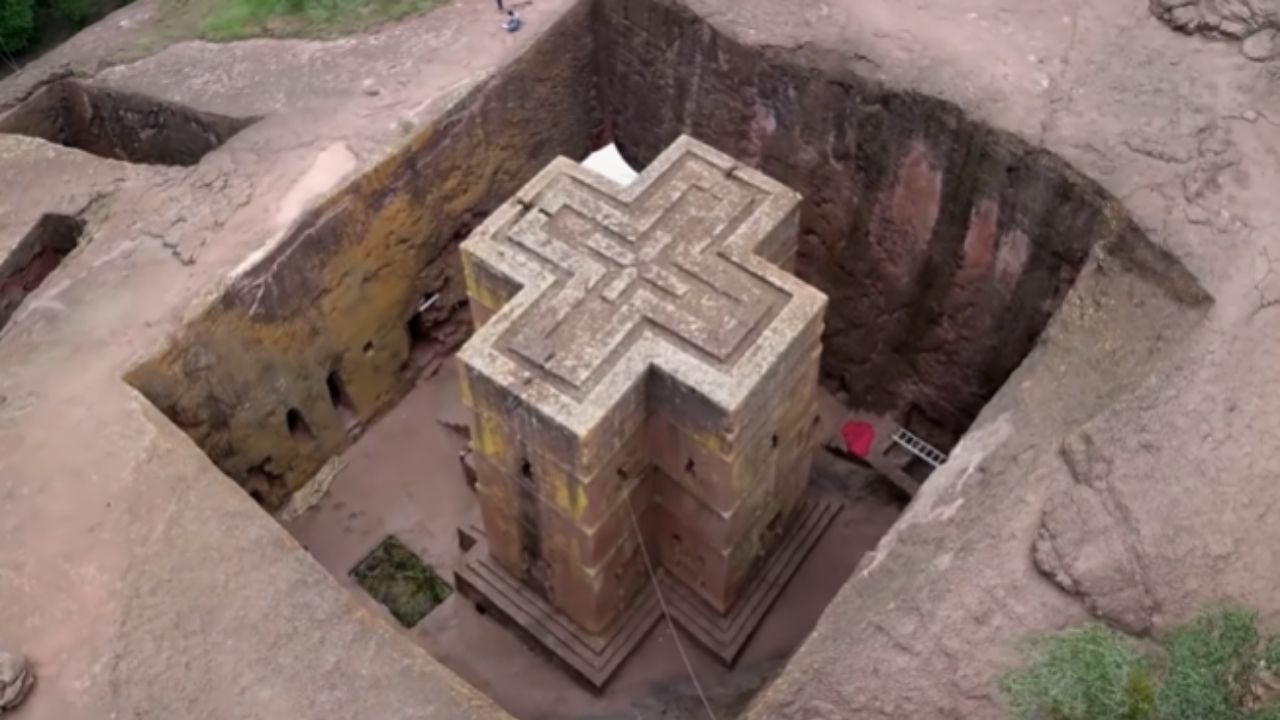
(593, 659)
(726, 634)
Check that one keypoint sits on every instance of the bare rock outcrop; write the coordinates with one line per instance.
(1086, 543)
(1256, 22)
(1165, 512)
(16, 680)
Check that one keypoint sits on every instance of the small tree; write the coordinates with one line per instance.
(17, 24)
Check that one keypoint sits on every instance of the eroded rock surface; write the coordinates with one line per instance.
(1256, 22)
(16, 680)
(1088, 543)
(1224, 18)
(1165, 512)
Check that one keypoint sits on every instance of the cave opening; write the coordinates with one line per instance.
(340, 400)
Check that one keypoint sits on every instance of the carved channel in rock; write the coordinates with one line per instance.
(120, 125)
(36, 256)
(944, 245)
(369, 283)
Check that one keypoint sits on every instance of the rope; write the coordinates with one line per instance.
(666, 614)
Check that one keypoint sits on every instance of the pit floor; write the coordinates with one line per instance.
(402, 477)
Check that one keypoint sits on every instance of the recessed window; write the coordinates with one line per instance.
(341, 400)
(298, 426)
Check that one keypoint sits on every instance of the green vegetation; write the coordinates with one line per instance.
(1217, 667)
(17, 24)
(28, 23)
(235, 19)
(222, 20)
(397, 578)
(28, 27)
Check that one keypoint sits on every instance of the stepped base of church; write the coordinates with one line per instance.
(726, 634)
(594, 659)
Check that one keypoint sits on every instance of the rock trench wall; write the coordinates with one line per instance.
(321, 325)
(944, 245)
(121, 126)
(37, 255)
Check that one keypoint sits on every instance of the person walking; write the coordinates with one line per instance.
(512, 22)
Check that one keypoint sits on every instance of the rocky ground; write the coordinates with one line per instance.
(123, 571)
(1154, 497)
(1126, 471)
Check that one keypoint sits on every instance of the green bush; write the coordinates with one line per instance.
(1212, 663)
(1086, 674)
(17, 24)
(1209, 669)
(1272, 656)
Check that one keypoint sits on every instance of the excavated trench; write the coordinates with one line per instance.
(120, 125)
(945, 246)
(34, 258)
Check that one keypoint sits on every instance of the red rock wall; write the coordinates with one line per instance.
(945, 246)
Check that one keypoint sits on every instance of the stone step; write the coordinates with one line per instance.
(593, 659)
(725, 635)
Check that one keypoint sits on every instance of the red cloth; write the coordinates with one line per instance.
(858, 437)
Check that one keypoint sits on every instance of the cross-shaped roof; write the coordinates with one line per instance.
(598, 284)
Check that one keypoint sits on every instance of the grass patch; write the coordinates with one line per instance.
(226, 20)
(1086, 674)
(1217, 667)
(237, 19)
(397, 578)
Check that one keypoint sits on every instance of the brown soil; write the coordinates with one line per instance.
(403, 477)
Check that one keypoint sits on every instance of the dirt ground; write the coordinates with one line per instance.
(402, 477)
